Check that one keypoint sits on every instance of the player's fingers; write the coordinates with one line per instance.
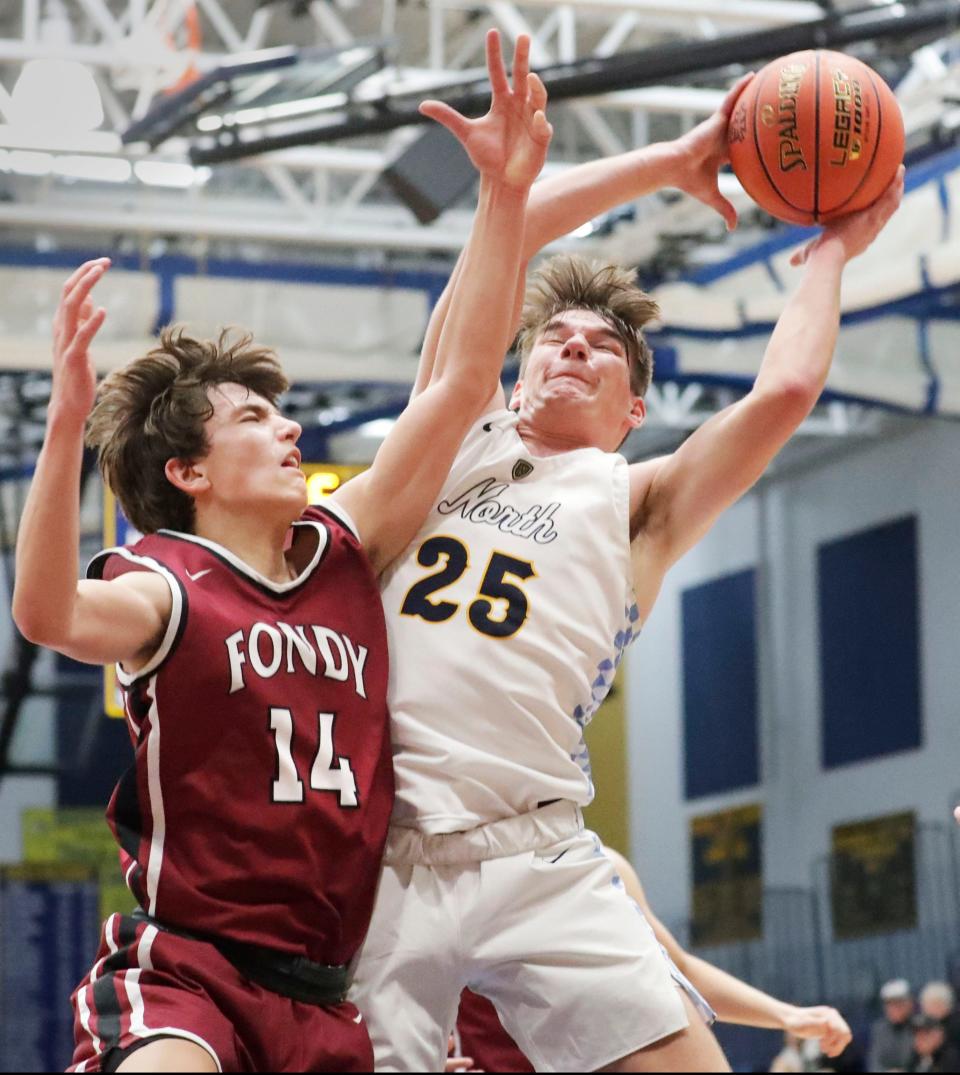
(83, 284)
(889, 201)
(85, 334)
(495, 66)
(894, 191)
(726, 209)
(736, 89)
(442, 113)
(82, 288)
(81, 271)
(834, 1042)
(521, 67)
(900, 181)
(800, 256)
(542, 128)
(71, 305)
(537, 92)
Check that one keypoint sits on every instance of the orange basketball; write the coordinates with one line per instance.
(816, 135)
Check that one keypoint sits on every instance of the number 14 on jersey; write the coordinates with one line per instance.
(287, 786)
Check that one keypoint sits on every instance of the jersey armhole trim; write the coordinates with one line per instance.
(340, 513)
(178, 610)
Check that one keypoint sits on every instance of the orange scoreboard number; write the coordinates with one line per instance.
(322, 480)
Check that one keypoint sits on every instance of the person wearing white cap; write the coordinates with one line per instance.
(938, 1001)
(891, 1040)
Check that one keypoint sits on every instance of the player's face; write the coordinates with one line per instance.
(253, 458)
(578, 373)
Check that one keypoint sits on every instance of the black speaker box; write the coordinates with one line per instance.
(431, 174)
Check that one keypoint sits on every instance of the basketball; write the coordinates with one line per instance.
(814, 136)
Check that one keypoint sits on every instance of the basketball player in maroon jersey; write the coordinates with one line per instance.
(251, 646)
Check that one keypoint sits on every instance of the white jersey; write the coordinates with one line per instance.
(507, 618)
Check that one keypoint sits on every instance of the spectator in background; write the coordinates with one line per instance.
(804, 1054)
(938, 1001)
(931, 1050)
(891, 1040)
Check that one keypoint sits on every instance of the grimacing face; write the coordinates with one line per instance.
(579, 365)
(252, 458)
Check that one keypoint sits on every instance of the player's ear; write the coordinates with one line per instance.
(638, 411)
(187, 476)
(517, 396)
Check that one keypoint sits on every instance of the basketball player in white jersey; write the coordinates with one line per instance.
(508, 616)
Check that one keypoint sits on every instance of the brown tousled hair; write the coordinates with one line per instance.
(570, 282)
(154, 409)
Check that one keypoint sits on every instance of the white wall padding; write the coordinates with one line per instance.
(877, 361)
(29, 301)
(311, 317)
(879, 355)
(688, 305)
(943, 339)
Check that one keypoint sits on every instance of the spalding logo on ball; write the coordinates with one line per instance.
(816, 135)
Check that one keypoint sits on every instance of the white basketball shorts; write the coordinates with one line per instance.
(530, 913)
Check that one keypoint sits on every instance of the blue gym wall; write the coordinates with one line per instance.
(853, 627)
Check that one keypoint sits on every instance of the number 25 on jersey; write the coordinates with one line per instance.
(497, 621)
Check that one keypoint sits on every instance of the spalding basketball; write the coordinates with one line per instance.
(816, 135)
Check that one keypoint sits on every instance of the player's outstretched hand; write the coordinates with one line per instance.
(76, 323)
(858, 230)
(821, 1022)
(956, 814)
(509, 144)
(702, 152)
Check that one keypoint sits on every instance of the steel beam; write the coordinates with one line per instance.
(754, 12)
(257, 223)
(596, 75)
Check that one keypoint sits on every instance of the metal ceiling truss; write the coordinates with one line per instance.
(569, 78)
(329, 195)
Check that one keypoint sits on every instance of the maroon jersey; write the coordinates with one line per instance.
(483, 1039)
(258, 804)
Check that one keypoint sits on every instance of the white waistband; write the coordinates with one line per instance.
(499, 839)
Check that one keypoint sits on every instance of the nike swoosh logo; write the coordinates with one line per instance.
(359, 1019)
(488, 427)
(199, 575)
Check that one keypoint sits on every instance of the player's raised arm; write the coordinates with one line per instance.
(675, 501)
(97, 622)
(561, 203)
(508, 147)
(735, 1001)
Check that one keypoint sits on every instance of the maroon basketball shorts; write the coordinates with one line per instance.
(149, 984)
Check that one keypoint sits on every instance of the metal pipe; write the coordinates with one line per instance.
(595, 75)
